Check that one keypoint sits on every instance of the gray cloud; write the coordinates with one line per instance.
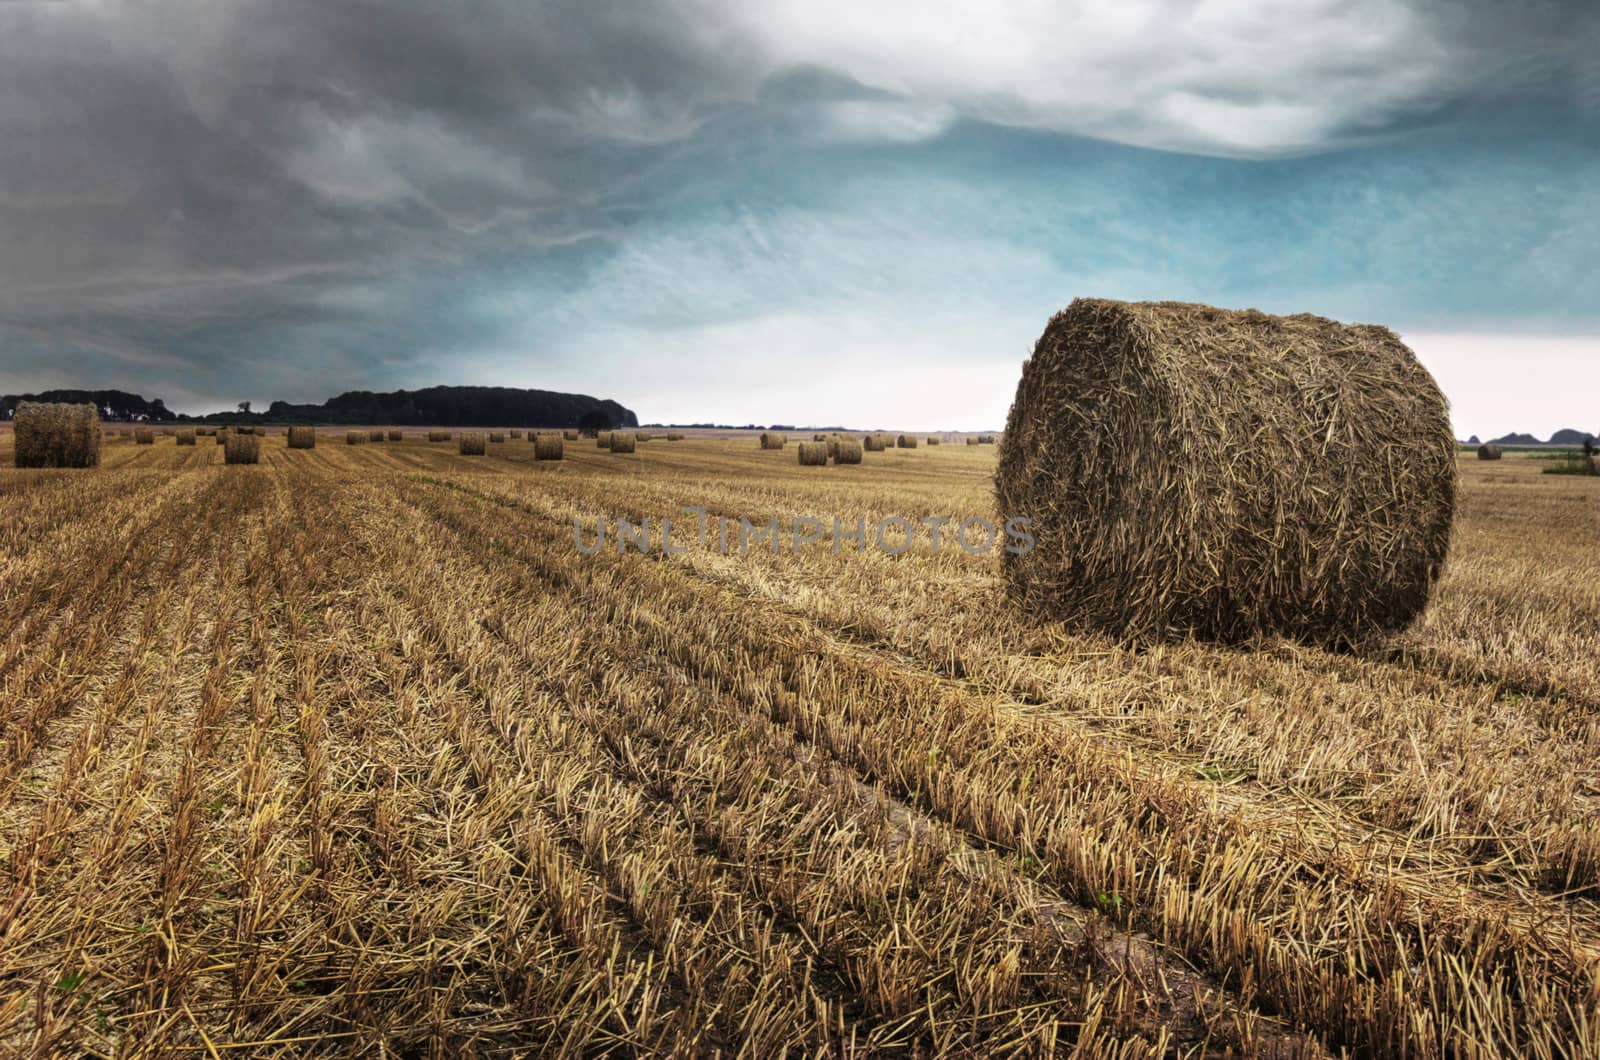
(321, 187)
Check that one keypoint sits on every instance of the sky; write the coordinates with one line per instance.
(794, 211)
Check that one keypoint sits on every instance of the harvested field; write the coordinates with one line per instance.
(356, 753)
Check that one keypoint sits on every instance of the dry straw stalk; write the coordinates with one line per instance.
(242, 449)
(1188, 469)
(52, 434)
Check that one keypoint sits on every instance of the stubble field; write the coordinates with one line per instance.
(353, 752)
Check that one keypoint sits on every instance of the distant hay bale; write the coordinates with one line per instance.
(1192, 470)
(674, 436)
(515, 436)
(1489, 452)
(302, 437)
(603, 440)
(186, 437)
(972, 439)
(397, 436)
(438, 436)
(772, 440)
(819, 437)
(497, 436)
(53, 434)
(143, 436)
(244, 430)
(933, 439)
(906, 441)
(355, 437)
(548, 447)
(985, 439)
(569, 436)
(376, 436)
(846, 451)
(473, 443)
(204, 432)
(242, 449)
(643, 436)
(872, 443)
(168, 432)
(813, 454)
(222, 435)
(623, 441)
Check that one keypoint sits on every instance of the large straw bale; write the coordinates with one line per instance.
(1192, 470)
(54, 434)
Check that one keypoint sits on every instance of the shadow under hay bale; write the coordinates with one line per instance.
(473, 443)
(1489, 452)
(1192, 470)
(302, 437)
(54, 434)
(622, 441)
(772, 440)
(242, 449)
(813, 454)
(549, 447)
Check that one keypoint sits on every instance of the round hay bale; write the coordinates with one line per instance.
(186, 437)
(972, 439)
(204, 432)
(772, 440)
(242, 449)
(933, 439)
(549, 447)
(515, 436)
(819, 437)
(222, 435)
(355, 437)
(397, 436)
(244, 430)
(1192, 470)
(643, 436)
(906, 441)
(376, 436)
(985, 439)
(56, 434)
(473, 443)
(569, 436)
(602, 440)
(872, 443)
(674, 436)
(813, 454)
(142, 436)
(302, 437)
(497, 437)
(1489, 452)
(438, 436)
(623, 441)
(846, 451)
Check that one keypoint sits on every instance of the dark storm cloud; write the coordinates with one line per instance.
(280, 199)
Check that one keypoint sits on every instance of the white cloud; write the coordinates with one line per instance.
(1500, 383)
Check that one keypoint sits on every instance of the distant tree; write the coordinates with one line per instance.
(1588, 445)
(244, 407)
